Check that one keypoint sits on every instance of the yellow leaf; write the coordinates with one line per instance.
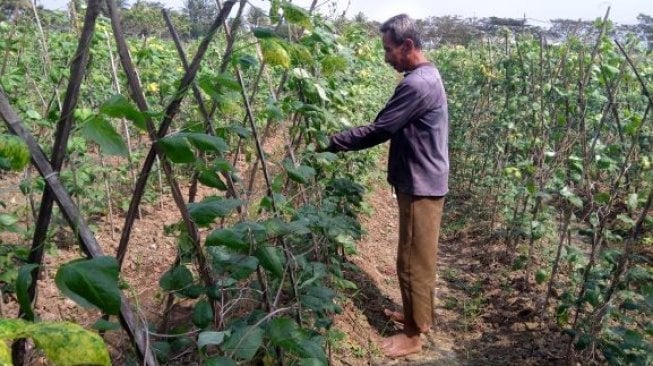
(67, 343)
(5, 354)
(153, 87)
(274, 53)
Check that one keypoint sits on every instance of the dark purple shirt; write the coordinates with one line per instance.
(416, 122)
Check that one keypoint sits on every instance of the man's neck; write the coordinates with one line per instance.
(416, 59)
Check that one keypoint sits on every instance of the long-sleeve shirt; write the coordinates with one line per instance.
(416, 122)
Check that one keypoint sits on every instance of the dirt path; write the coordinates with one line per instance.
(483, 314)
(375, 274)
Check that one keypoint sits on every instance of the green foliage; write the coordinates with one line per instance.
(244, 342)
(271, 258)
(91, 283)
(22, 285)
(296, 15)
(119, 107)
(202, 314)
(13, 153)
(317, 198)
(205, 212)
(176, 279)
(102, 133)
(287, 334)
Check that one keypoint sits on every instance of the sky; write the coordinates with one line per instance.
(537, 12)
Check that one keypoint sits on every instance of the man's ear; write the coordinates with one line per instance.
(408, 44)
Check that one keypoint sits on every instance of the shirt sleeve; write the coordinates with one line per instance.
(401, 108)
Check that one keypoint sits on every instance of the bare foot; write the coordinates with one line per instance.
(394, 315)
(400, 345)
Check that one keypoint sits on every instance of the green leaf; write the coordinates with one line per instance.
(571, 197)
(264, 32)
(205, 142)
(311, 362)
(211, 179)
(632, 201)
(228, 238)
(632, 339)
(161, 351)
(540, 276)
(602, 197)
(626, 220)
(228, 82)
(205, 212)
(22, 285)
(633, 125)
(222, 165)
(247, 61)
(100, 131)
(202, 314)
(176, 279)
(209, 87)
(296, 15)
(242, 132)
(333, 63)
(273, 112)
(274, 53)
(610, 70)
(177, 149)
(91, 283)
(210, 338)
(32, 114)
(7, 220)
(583, 342)
(244, 342)
(300, 54)
(271, 258)
(220, 361)
(119, 107)
(241, 266)
(285, 333)
(301, 174)
(105, 325)
(11, 328)
(321, 92)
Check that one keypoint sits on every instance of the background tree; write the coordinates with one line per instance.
(200, 15)
(645, 25)
(9, 9)
(144, 19)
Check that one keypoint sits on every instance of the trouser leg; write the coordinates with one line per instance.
(419, 228)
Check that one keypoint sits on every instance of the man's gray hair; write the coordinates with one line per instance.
(400, 28)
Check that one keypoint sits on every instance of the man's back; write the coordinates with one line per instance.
(419, 159)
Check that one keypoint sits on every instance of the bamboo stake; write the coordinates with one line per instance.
(170, 112)
(64, 126)
(87, 241)
(231, 189)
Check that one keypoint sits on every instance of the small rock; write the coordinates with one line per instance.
(532, 326)
(518, 327)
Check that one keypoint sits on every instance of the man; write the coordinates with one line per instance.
(415, 120)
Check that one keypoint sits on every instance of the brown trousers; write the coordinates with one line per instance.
(419, 229)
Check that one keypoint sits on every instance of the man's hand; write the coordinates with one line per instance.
(322, 144)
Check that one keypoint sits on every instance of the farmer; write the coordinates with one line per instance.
(415, 120)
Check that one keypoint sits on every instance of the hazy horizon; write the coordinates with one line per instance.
(624, 12)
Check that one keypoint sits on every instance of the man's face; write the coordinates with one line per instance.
(395, 54)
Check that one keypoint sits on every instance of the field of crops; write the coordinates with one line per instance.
(165, 199)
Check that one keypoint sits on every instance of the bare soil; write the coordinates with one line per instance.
(484, 314)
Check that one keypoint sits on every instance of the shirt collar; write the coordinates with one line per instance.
(427, 63)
